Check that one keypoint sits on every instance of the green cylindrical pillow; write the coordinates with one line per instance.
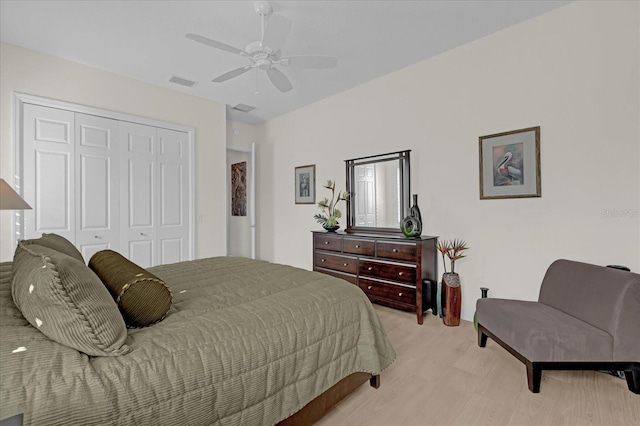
(143, 298)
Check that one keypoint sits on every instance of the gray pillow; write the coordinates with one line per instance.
(66, 301)
(58, 243)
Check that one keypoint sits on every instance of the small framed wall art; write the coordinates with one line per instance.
(239, 189)
(510, 164)
(306, 184)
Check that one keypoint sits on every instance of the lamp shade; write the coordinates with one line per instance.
(9, 199)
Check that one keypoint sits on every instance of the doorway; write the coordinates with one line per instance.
(241, 228)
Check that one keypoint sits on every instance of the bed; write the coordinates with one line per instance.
(246, 342)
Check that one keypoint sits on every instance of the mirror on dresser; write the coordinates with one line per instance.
(379, 188)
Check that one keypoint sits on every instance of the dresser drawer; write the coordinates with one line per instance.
(326, 242)
(356, 246)
(332, 261)
(348, 277)
(397, 293)
(401, 251)
(387, 270)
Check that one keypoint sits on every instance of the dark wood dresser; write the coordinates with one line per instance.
(389, 269)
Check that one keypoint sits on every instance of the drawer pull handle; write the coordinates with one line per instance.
(321, 260)
(401, 273)
(327, 243)
(400, 294)
(357, 246)
(369, 268)
(369, 287)
(395, 250)
(345, 264)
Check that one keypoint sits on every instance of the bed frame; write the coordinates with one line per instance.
(318, 407)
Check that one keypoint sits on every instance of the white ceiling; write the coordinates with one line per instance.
(146, 40)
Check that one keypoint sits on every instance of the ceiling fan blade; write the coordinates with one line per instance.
(276, 32)
(317, 62)
(279, 80)
(233, 73)
(214, 43)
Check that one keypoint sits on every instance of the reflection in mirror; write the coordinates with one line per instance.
(378, 200)
(379, 192)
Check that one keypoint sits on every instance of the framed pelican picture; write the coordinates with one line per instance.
(510, 164)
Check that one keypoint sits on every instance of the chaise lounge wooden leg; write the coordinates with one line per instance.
(633, 380)
(534, 376)
(482, 338)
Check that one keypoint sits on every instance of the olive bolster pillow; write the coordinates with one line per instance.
(143, 298)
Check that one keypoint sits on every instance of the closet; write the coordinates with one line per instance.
(107, 183)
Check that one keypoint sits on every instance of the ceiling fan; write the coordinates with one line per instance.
(265, 54)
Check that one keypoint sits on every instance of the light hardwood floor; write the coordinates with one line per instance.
(441, 377)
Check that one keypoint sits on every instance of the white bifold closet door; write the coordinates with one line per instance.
(71, 165)
(154, 174)
(97, 200)
(49, 171)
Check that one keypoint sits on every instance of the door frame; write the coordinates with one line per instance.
(252, 193)
(19, 101)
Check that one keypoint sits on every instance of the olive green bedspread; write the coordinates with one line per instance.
(247, 342)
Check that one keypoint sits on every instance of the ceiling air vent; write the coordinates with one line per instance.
(243, 108)
(181, 81)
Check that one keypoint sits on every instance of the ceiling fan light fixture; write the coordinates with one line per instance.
(263, 8)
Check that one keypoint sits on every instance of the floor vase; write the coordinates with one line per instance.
(452, 298)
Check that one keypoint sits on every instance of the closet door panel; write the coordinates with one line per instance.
(138, 193)
(141, 252)
(170, 195)
(140, 188)
(53, 192)
(97, 184)
(48, 149)
(171, 250)
(95, 197)
(173, 182)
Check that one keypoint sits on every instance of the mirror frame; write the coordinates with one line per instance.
(405, 188)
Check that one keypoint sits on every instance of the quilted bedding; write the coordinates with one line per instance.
(247, 342)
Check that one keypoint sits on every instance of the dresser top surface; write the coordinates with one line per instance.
(395, 237)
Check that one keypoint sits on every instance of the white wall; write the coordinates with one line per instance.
(574, 72)
(239, 135)
(30, 72)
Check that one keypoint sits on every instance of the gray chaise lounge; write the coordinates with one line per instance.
(587, 318)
